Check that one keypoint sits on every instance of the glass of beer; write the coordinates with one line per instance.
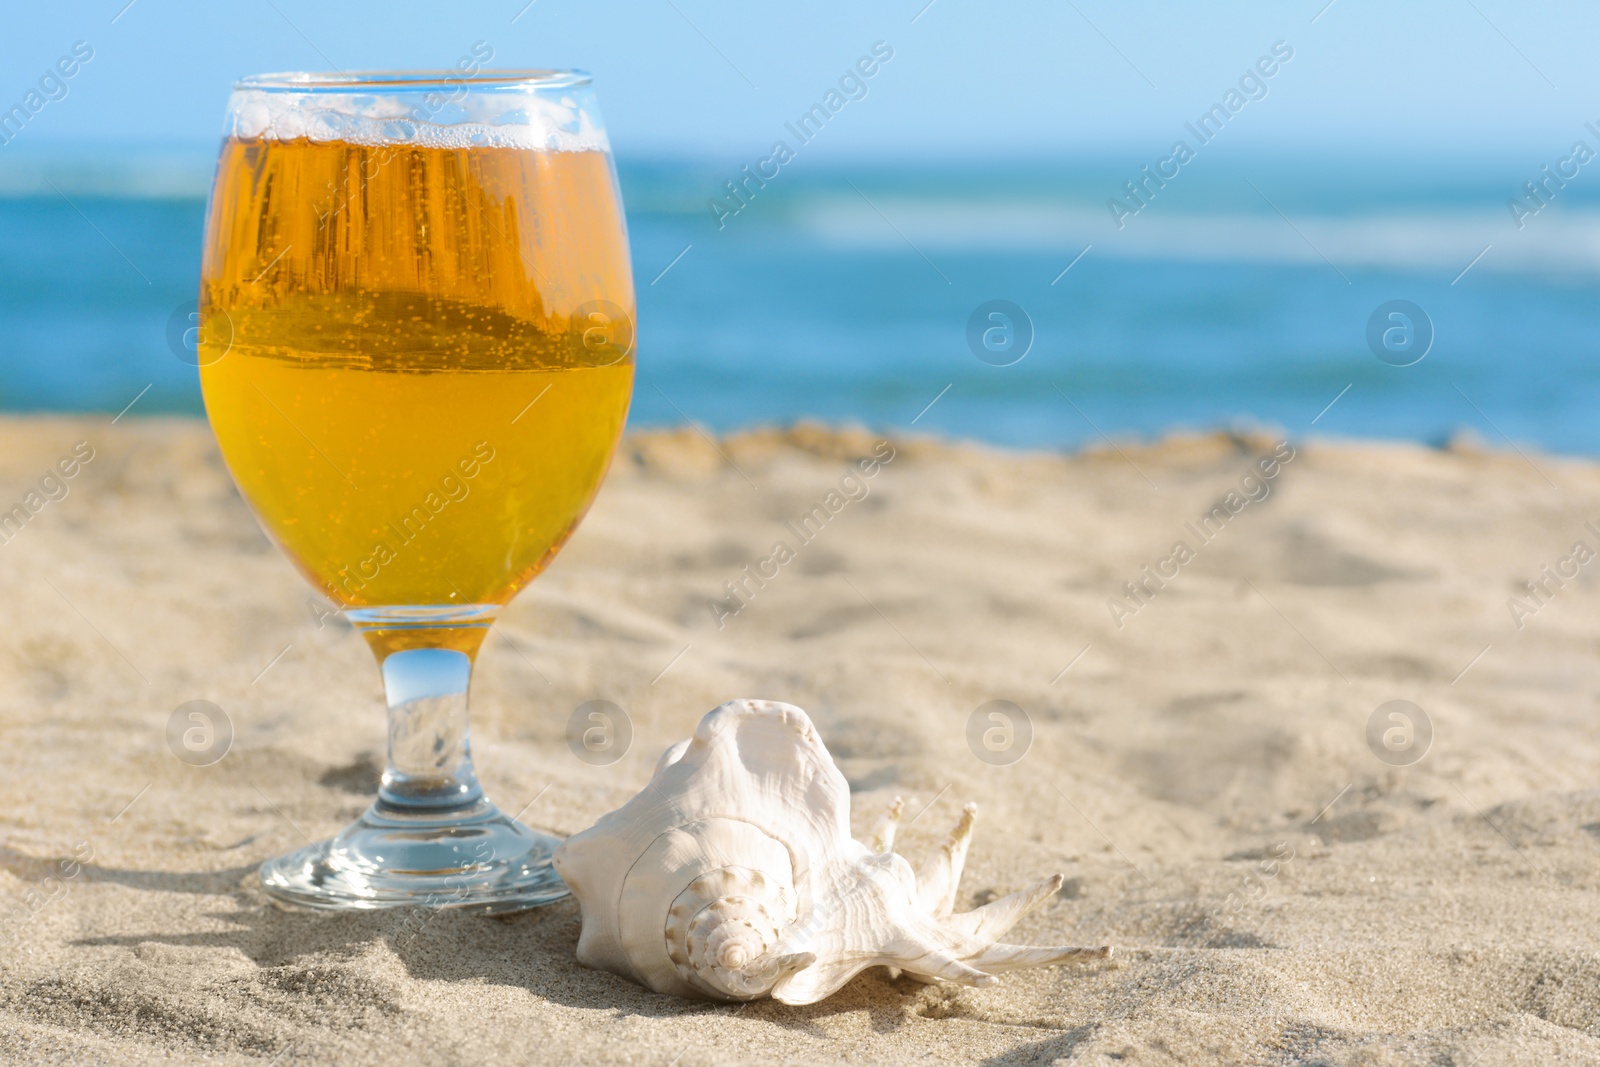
(416, 348)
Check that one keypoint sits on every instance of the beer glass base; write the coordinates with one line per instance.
(477, 859)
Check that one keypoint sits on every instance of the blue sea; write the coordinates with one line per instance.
(1241, 294)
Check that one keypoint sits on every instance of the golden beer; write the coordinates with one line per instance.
(419, 382)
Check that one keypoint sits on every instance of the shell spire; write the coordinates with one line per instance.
(733, 876)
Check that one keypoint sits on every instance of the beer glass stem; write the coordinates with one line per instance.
(429, 764)
(431, 837)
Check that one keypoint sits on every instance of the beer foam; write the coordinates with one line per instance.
(448, 118)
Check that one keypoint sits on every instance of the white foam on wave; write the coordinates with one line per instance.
(448, 118)
(1443, 240)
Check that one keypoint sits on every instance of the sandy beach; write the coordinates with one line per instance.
(1279, 888)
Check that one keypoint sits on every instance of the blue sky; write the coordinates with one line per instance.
(714, 78)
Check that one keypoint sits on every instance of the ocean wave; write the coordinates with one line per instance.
(185, 176)
(1446, 240)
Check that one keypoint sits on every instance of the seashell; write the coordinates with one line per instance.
(733, 876)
